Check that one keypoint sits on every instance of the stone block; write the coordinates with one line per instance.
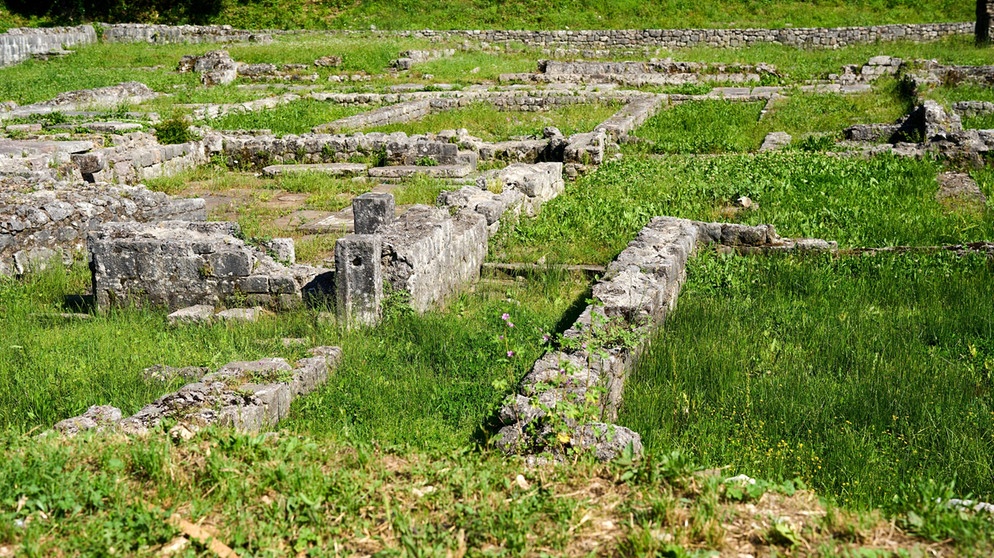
(372, 210)
(199, 313)
(358, 279)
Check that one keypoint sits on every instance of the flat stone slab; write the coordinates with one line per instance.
(959, 190)
(22, 148)
(333, 169)
(113, 127)
(340, 222)
(199, 313)
(240, 314)
(405, 171)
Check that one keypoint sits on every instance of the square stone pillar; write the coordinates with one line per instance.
(371, 211)
(358, 279)
(985, 17)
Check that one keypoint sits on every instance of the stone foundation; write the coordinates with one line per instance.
(38, 226)
(19, 44)
(246, 396)
(637, 292)
(177, 264)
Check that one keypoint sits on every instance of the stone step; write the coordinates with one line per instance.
(406, 171)
(334, 169)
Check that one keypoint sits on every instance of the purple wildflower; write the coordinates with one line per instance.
(505, 316)
(510, 354)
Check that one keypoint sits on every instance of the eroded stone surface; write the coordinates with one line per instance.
(248, 396)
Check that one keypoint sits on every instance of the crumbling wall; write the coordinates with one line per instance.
(177, 264)
(570, 399)
(247, 396)
(168, 34)
(40, 225)
(431, 254)
(807, 37)
(19, 44)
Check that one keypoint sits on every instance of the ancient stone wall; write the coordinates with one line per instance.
(19, 44)
(166, 34)
(680, 38)
(53, 223)
(638, 290)
(178, 264)
(247, 396)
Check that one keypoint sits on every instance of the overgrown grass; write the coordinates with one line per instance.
(560, 14)
(428, 381)
(861, 375)
(420, 188)
(718, 126)
(704, 127)
(297, 117)
(483, 120)
(882, 201)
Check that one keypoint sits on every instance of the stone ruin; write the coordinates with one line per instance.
(218, 68)
(246, 396)
(637, 292)
(178, 264)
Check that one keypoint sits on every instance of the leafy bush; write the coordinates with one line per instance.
(173, 130)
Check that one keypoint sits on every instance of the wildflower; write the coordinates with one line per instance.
(509, 324)
(505, 316)
(500, 337)
(545, 338)
(510, 354)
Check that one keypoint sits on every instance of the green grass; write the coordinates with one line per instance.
(882, 201)
(717, 126)
(420, 188)
(428, 381)
(484, 121)
(560, 14)
(297, 117)
(859, 375)
(704, 127)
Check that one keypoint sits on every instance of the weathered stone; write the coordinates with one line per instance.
(407, 171)
(282, 250)
(240, 314)
(358, 279)
(775, 141)
(199, 313)
(372, 210)
(960, 191)
(334, 169)
(97, 417)
(432, 254)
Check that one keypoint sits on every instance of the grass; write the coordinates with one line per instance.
(297, 117)
(560, 14)
(420, 188)
(717, 126)
(882, 201)
(448, 368)
(861, 376)
(285, 494)
(484, 121)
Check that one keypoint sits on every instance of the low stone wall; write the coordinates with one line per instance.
(178, 264)
(19, 44)
(973, 108)
(392, 114)
(38, 226)
(246, 396)
(818, 37)
(166, 34)
(131, 92)
(432, 254)
(264, 150)
(637, 292)
(138, 156)
(630, 117)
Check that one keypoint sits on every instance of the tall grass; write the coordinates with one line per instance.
(297, 117)
(422, 380)
(586, 14)
(858, 375)
(881, 201)
(486, 122)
